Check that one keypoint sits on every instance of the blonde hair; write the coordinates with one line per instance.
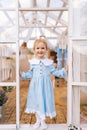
(38, 41)
(24, 44)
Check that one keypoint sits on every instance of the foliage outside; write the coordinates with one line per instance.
(3, 97)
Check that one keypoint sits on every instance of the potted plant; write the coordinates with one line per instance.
(3, 99)
(73, 127)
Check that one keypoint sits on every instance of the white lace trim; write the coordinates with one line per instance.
(45, 61)
(42, 116)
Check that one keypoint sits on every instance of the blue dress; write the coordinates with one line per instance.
(60, 53)
(40, 98)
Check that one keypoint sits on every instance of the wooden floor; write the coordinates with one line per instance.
(9, 110)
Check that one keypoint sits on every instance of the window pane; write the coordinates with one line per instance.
(79, 61)
(7, 105)
(83, 105)
(83, 16)
(5, 3)
(7, 63)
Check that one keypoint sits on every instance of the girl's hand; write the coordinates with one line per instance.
(20, 73)
(66, 68)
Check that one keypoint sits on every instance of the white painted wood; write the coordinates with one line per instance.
(79, 84)
(76, 89)
(7, 84)
(50, 127)
(43, 26)
(17, 68)
(69, 86)
(79, 38)
(76, 106)
(29, 127)
(7, 128)
(7, 9)
(44, 9)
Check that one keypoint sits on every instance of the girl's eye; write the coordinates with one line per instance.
(37, 48)
(42, 48)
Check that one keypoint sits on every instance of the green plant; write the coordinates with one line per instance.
(7, 89)
(3, 97)
(72, 127)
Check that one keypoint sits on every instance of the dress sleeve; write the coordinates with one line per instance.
(56, 49)
(58, 73)
(28, 74)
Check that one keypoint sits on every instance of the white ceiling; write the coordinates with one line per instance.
(36, 17)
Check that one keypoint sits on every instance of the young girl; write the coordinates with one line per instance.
(40, 98)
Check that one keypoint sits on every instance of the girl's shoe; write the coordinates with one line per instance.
(44, 126)
(36, 125)
(38, 122)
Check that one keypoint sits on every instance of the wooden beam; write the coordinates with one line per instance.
(44, 9)
(43, 26)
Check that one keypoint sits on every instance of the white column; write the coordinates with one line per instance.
(17, 68)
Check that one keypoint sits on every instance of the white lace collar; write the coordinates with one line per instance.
(45, 61)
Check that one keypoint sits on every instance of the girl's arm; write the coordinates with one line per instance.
(58, 73)
(27, 75)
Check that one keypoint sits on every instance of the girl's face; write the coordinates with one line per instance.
(40, 50)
